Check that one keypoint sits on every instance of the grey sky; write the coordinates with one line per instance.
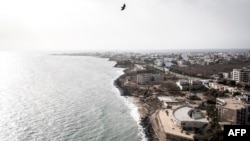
(144, 24)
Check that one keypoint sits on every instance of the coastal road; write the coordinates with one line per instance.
(184, 76)
(177, 74)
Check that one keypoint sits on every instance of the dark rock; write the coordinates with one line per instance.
(147, 127)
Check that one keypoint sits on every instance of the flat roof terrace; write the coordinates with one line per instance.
(182, 114)
(232, 103)
(170, 127)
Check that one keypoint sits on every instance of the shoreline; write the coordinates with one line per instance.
(135, 114)
(137, 111)
(144, 123)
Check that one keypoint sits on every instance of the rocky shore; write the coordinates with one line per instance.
(123, 91)
(143, 112)
(147, 126)
(142, 105)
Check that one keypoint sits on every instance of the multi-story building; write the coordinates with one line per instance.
(195, 84)
(143, 78)
(241, 75)
(189, 85)
(234, 110)
(183, 84)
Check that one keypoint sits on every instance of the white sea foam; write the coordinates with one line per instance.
(135, 115)
(128, 101)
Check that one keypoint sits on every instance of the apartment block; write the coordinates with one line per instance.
(143, 78)
(234, 110)
(241, 75)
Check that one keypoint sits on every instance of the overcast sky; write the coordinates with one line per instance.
(143, 25)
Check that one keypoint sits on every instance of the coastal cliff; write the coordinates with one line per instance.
(141, 102)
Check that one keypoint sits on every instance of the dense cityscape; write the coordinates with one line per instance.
(185, 96)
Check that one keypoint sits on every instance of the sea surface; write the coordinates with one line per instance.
(63, 98)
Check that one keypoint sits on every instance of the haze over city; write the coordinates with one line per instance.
(143, 25)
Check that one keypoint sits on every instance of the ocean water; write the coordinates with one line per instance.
(63, 98)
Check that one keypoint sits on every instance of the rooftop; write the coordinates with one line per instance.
(183, 114)
(171, 99)
(170, 127)
(232, 103)
(167, 98)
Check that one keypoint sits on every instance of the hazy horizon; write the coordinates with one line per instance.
(95, 25)
(126, 51)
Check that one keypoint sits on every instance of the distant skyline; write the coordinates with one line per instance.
(88, 25)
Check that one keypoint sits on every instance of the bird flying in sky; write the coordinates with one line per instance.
(123, 6)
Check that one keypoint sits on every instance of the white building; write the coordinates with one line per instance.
(189, 119)
(189, 85)
(241, 75)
